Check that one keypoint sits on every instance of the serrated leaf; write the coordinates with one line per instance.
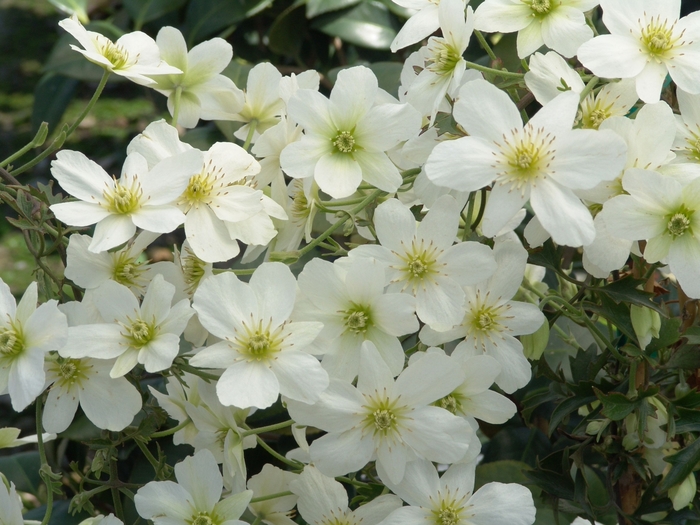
(626, 291)
(206, 17)
(368, 24)
(548, 256)
(143, 11)
(668, 335)
(683, 463)
(318, 7)
(582, 363)
(617, 314)
(616, 406)
(22, 469)
(686, 357)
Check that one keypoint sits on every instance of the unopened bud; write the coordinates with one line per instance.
(535, 344)
(646, 323)
(682, 494)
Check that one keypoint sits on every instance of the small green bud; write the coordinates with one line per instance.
(535, 344)
(682, 494)
(646, 323)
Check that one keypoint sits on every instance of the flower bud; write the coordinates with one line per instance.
(646, 323)
(682, 494)
(534, 344)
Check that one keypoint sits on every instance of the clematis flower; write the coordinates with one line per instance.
(142, 197)
(346, 137)
(148, 334)
(10, 505)
(262, 352)
(420, 25)
(386, 420)
(27, 334)
(275, 511)
(423, 260)
(134, 56)
(543, 161)
(197, 89)
(348, 298)
(450, 499)
(558, 24)
(196, 497)
(650, 41)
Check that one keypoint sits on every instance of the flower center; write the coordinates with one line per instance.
(344, 142)
(541, 7)
(258, 343)
(678, 224)
(525, 157)
(300, 204)
(199, 190)
(383, 416)
(443, 57)
(123, 199)
(202, 519)
(448, 516)
(127, 271)
(449, 403)
(485, 321)
(11, 343)
(357, 320)
(384, 419)
(116, 54)
(67, 370)
(419, 263)
(140, 332)
(658, 37)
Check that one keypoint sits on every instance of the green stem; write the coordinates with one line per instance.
(251, 133)
(171, 431)
(482, 209)
(93, 100)
(37, 141)
(268, 428)
(116, 498)
(54, 146)
(151, 459)
(353, 482)
(276, 455)
(468, 217)
(589, 87)
(485, 45)
(485, 69)
(602, 341)
(176, 105)
(318, 240)
(186, 367)
(271, 496)
(42, 458)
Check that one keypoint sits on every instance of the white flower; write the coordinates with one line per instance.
(558, 24)
(542, 161)
(148, 334)
(348, 298)
(174, 402)
(649, 41)
(110, 403)
(27, 334)
(443, 64)
(134, 55)
(141, 197)
(273, 480)
(324, 501)
(10, 505)
(385, 420)
(491, 320)
(423, 260)
(203, 92)
(420, 25)
(347, 136)
(263, 103)
(687, 141)
(125, 266)
(194, 499)
(262, 352)
(666, 214)
(451, 500)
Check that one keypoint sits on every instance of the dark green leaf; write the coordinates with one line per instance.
(565, 408)
(206, 17)
(59, 515)
(686, 357)
(617, 314)
(683, 463)
(317, 7)
(22, 469)
(548, 256)
(668, 335)
(616, 406)
(559, 485)
(287, 31)
(692, 334)
(143, 11)
(582, 364)
(504, 471)
(368, 24)
(52, 95)
(626, 291)
(689, 400)
(689, 420)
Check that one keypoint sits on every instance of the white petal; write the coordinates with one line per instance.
(486, 111)
(112, 231)
(199, 475)
(337, 174)
(562, 214)
(248, 385)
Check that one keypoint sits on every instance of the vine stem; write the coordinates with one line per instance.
(116, 498)
(251, 134)
(277, 455)
(485, 69)
(485, 45)
(42, 457)
(176, 105)
(171, 431)
(271, 496)
(268, 428)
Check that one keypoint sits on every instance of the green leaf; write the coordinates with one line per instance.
(287, 31)
(565, 408)
(689, 400)
(504, 471)
(686, 357)
(143, 11)
(368, 24)
(206, 17)
(626, 291)
(692, 334)
(52, 95)
(668, 335)
(689, 420)
(683, 463)
(548, 256)
(617, 314)
(22, 469)
(616, 406)
(59, 514)
(317, 7)
(558, 485)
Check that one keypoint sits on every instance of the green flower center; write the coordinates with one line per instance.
(127, 271)
(193, 269)
(541, 7)
(485, 321)
(11, 343)
(444, 58)
(300, 209)
(344, 142)
(448, 516)
(67, 370)
(357, 319)
(140, 332)
(525, 157)
(199, 190)
(258, 344)
(658, 37)
(449, 403)
(116, 54)
(203, 518)
(382, 415)
(122, 199)
(384, 419)
(678, 224)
